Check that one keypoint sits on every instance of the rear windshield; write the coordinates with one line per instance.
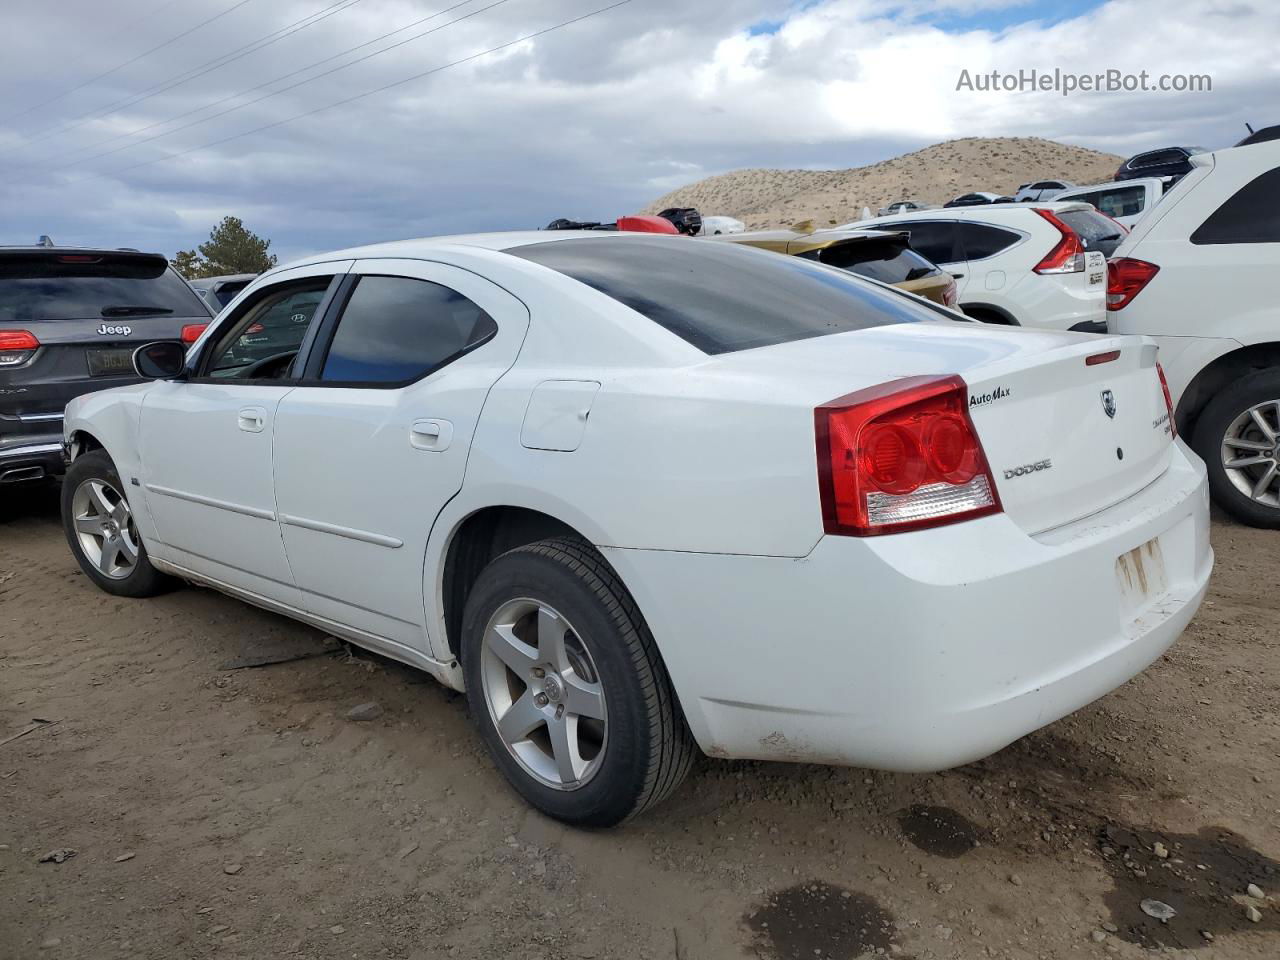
(889, 261)
(53, 287)
(722, 297)
(1096, 231)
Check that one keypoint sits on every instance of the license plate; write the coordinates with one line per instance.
(1141, 576)
(110, 363)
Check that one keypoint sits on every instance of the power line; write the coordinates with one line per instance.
(132, 60)
(207, 67)
(292, 86)
(360, 96)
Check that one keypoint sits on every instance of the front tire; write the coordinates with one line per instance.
(1238, 437)
(98, 522)
(567, 687)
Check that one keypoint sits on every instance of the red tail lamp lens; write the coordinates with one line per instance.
(191, 332)
(901, 456)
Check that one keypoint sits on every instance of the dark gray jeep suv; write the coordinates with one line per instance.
(70, 320)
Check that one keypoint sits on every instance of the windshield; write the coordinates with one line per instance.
(84, 286)
(721, 297)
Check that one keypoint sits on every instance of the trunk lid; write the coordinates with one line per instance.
(1066, 438)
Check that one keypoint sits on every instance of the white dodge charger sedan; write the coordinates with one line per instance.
(640, 495)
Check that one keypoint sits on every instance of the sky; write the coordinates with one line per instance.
(330, 123)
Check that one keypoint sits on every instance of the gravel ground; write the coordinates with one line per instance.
(204, 811)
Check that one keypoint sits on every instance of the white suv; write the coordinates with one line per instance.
(1022, 264)
(1199, 274)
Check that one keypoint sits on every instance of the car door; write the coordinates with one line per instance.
(374, 441)
(206, 440)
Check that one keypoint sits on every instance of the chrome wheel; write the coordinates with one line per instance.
(104, 528)
(544, 694)
(1251, 453)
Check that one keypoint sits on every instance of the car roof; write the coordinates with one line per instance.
(425, 247)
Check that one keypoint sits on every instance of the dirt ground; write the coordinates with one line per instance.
(220, 812)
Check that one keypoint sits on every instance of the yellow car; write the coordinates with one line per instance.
(879, 254)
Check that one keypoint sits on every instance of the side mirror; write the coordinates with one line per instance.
(159, 361)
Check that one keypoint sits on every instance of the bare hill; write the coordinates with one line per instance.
(773, 198)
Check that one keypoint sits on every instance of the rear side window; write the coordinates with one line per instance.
(1250, 215)
(888, 261)
(720, 297)
(981, 240)
(1096, 232)
(88, 286)
(934, 240)
(395, 330)
(1114, 202)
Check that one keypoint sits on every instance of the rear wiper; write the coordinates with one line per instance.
(919, 273)
(136, 310)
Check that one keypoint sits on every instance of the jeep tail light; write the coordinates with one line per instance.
(901, 456)
(191, 332)
(1067, 255)
(1126, 278)
(1168, 401)
(16, 347)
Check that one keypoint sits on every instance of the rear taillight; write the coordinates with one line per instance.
(191, 332)
(1168, 400)
(16, 347)
(949, 295)
(1126, 278)
(901, 456)
(1067, 255)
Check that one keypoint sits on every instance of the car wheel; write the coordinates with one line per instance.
(567, 687)
(100, 530)
(1238, 437)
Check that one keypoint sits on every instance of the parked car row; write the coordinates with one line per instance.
(530, 464)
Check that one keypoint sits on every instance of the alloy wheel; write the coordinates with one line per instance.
(1251, 453)
(544, 694)
(104, 528)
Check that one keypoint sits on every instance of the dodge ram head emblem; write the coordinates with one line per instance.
(1109, 404)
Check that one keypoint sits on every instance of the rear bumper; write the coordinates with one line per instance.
(31, 456)
(925, 650)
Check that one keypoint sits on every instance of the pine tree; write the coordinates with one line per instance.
(230, 249)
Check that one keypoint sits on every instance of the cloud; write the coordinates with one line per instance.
(590, 121)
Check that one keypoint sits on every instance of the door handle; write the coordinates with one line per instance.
(252, 419)
(433, 435)
(957, 276)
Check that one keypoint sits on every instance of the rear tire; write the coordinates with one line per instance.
(1241, 426)
(98, 523)
(567, 687)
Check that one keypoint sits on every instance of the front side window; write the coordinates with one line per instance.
(1250, 215)
(395, 330)
(271, 329)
